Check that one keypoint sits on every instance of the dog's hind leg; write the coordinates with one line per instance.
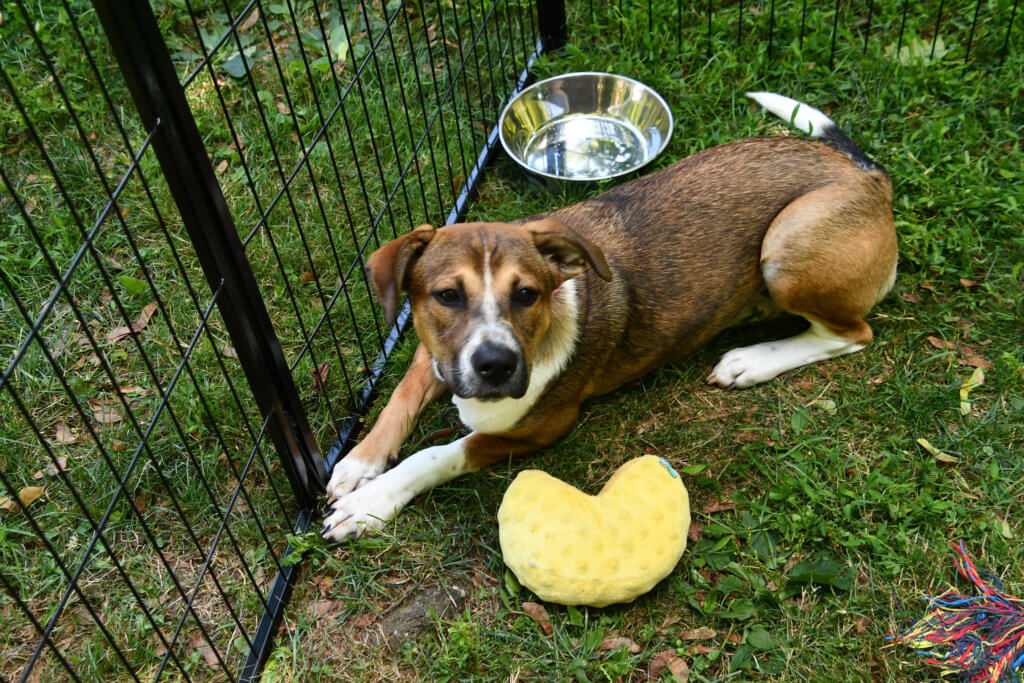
(829, 256)
(379, 449)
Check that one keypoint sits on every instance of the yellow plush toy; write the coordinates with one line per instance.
(575, 549)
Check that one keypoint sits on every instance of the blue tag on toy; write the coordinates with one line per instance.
(664, 462)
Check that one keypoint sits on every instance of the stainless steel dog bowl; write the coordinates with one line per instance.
(583, 127)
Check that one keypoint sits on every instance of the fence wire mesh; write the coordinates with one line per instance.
(145, 514)
(144, 510)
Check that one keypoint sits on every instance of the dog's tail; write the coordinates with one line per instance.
(818, 125)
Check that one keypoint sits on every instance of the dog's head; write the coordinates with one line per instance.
(481, 295)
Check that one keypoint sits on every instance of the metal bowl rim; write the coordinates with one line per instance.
(528, 169)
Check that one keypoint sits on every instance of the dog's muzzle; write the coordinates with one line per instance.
(491, 370)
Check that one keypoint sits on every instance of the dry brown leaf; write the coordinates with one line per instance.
(540, 614)
(307, 277)
(976, 362)
(699, 633)
(64, 435)
(320, 377)
(57, 466)
(365, 620)
(209, 656)
(734, 638)
(38, 474)
(968, 282)
(861, 624)
(615, 642)
(103, 412)
(283, 108)
(670, 620)
(794, 558)
(228, 351)
(667, 658)
(222, 166)
(694, 532)
(701, 649)
(717, 506)
(251, 21)
(113, 263)
(911, 298)
(941, 344)
(140, 323)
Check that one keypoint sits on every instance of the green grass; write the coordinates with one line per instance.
(809, 482)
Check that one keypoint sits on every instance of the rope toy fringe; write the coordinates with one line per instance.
(985, 633)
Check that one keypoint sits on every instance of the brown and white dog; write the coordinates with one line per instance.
(523, 322)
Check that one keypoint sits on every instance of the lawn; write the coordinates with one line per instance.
(821, 466)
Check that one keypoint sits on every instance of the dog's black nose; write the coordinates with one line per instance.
(494, 364)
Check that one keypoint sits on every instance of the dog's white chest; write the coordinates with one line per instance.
(493, 417)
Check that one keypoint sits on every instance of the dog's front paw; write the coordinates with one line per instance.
(368, 507)
(742, 367)
(348, 475)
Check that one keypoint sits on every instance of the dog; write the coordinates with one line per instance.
(525, 321)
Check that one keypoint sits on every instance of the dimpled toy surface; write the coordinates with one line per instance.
(575, 549)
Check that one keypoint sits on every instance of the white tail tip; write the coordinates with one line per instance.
(802, 116)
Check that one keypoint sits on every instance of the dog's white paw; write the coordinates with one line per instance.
(744, 367)
(348, 475)
(368, 507)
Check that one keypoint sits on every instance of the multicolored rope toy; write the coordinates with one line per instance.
(985, 633)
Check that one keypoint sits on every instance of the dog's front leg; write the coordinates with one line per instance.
(379, 449)
(370, 506)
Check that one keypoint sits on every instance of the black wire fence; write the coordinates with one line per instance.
(160, 437)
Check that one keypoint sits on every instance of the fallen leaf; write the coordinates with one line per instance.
(670, 620)
(222, 166)
(701, 649)
(667, 658)
(325, 607)
(694, 532)
(796, 557)
(251, 21)
(320, 377)
(228, 351)
(26, 496)
(38, 474)
(968, 283)
(861, 624)
(911, 298)
(700, 633)
(140, 323)
(941, 344)
(365, 620)
(103, 412)
(307, 277)
(734, 638)
(113, 263)
(615, 642)
(976, 362)
(539, 614)
(976, 379)
(56, 466)
(939, 455)
(283, 108)
(717, 506)
(64, 435)
(209, 656)
(826, 404)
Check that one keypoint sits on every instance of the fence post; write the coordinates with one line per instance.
(142, 56)
(551, 24)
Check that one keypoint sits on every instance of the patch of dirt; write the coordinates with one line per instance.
(417, 613)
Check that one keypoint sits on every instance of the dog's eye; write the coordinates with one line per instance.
(449, 297)
(524, 296)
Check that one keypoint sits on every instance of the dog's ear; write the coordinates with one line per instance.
(388, 266)
(568, 251)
